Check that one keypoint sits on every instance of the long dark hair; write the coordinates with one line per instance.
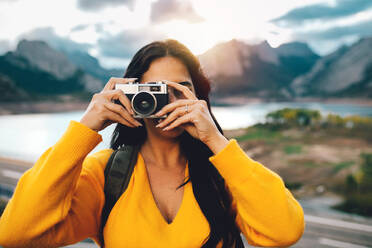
(208, 185)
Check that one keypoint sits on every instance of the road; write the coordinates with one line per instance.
(324, 227)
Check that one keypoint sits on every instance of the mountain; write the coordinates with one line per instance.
(295, 49)
(346, 72)
(236, 68)
(91, 65)
(37, 70)
(18, 73)
(9, 90)
(40, 55)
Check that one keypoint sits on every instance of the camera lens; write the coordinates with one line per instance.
(144, 103)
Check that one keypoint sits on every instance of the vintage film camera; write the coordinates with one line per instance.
(146, 98)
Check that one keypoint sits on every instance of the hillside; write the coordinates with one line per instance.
(346, 72)
(292, 71)
(259, 70)
(36, 71)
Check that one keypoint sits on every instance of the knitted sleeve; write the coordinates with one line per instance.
(267, 212)
(59, 200)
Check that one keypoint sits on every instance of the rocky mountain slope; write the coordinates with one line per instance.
(236, 68)
(91, 65)
(36, 70)
(345, 72)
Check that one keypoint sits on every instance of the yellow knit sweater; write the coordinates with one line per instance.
(59, 201)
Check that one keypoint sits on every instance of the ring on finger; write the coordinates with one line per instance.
(187, 108)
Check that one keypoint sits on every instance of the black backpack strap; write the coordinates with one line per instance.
(118, 172)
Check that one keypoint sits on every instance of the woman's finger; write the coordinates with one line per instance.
(181, 120)
(119, 95)
(110, 85)
(185, 90)
(175, 114)
(125, 101)
(122, 112)
(171, 106)
(110, 115)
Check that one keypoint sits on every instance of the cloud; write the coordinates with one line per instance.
(328, 40)
(116, 49)
(96, 5)
(48, 34)
(99, 27)
(79, 27)
(126, 43)
(342, 8)
(166, 10)
(360, 29)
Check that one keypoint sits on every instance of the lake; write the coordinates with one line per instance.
(27, 136)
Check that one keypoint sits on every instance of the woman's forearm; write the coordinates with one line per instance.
(44, 193)
(267, 212)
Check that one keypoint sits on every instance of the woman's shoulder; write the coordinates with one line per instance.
(101, 156)
(95, 163)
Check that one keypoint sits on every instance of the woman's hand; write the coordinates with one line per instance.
(193, 115)
(102, 112)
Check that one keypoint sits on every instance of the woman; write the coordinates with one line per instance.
(59, 200)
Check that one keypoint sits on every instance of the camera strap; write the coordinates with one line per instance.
(117, 173)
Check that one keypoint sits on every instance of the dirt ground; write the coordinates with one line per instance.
(317, 161)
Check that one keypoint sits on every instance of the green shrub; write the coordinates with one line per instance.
(255, 133)
(300, 116)
(313, 118)
(365, 184)
(334, 120)
(342, 165)
(358, 193)
(357, 203)
(293, 149)
(351, 184)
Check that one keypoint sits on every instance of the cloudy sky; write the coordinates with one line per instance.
(113, 30)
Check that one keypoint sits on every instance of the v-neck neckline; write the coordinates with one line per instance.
(153, 202)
